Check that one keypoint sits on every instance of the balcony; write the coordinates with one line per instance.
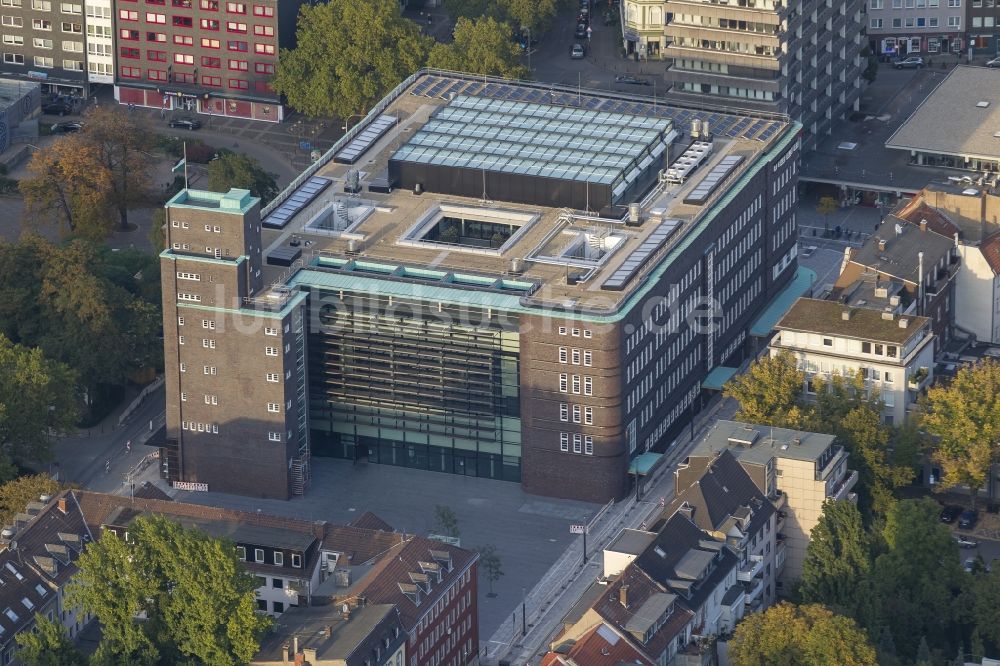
(843, 489)
(919, 379)
(753, 566)
(779, 500)
(780, 555)
(754, 591)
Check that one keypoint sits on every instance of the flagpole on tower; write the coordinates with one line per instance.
(185, 165)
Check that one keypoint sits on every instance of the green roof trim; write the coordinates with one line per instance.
(170, 254)
(780, 304)
(234, 201)
(718, 377)
(293, 302)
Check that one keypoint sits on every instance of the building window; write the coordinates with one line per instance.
(587, 333)
(233, 26)
(563, 412)
(241, 553)
(588, 445)
(564, 441)
(258, 554)
(264, 49)
(263, 31)
(279, 558)
(563, 355)
(563, 381)
(271, 351)
(13, 58)
(211, 400)
(954, 21)
(210, 370)
(183, 58)
(238, 65)
(588, 358)
(184, 40)
(577, 411)
(183, 367)
(268, 330)
(181, 21)
(576, 384)
(296, 561)
(274, 436)
(208, 323)
(577, 443)
(588, 386)
(180, 339)
(827, 342)
(263, 68)
(234, 45)
(208, 343)
(273, 407)
(260, 10)
(209, 24)
(273, 377)
(184, 396)
(576, 357)
(588, 415)
(279, 606)
(239, 84)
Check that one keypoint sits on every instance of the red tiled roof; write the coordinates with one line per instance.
(594, 648)
(149, 491)
(381, 584)
(916, 210)
(990, 248)
(370, 521)
(360, 545)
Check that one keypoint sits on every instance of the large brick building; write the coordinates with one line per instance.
(523, 307)
(207, 56)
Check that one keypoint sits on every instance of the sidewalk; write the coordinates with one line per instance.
(566, 581)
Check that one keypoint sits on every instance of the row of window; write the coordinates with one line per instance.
(920, 22)
(576, 356)
(129, 35)
(581, 443)
(43, 24)
(575, 332)
(565, 380)
(582, 414)
(277, 558)
(45, 6)
(193, 426)
(917, 4)
(213, 6)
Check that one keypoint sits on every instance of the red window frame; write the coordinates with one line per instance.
(184, 77)
(263, 49)
(206, 43)
(263, 30)
(238, 5)
(215, 81)
(130, 72)
(263, 67)
(128, 35)
(239, 84)
(156, 74)
(213, 63)
(128, 15)
(261, 10)
(129, 52)
(210, 24)
(155, 37)
(156, 56)
(184, 40)
(236, 45)
(182, 21)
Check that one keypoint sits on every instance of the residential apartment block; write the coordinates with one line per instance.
(894, 352)
(801, 59)
(43, 40)
(901, 27)
(796, 470)
(206, 56)
(983, 27)
(512, 293)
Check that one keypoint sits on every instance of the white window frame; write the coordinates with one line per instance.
(564, 442)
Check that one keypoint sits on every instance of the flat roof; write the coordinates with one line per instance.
(813, 315)
(768, 442)
(631, 542)
(953, 120)
(535, 139)
(429, 105)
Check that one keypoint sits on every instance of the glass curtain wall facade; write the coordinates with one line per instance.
(415, 384)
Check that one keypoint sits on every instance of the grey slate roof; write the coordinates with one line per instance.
(899, 258)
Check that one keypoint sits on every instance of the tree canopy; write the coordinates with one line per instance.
(480, 46)
(838, 559)
(790, 635)
(964, 416)
(37, 397)
(77, 300)
(244, 172)
(349, 54)
(48, 645)
(197, 599)
(769, 392)
(15, 494)
(536, 15)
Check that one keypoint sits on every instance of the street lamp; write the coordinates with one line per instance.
(348, 121)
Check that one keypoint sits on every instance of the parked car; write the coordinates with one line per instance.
(581, 31)
(57, 108)
(993, 63)
(808, 251)
(634, 80)
(965, 542)
(950, 514)
(186, 123)
(970, 564)
(968, 518)
(66, 128)
(577, 52)
(913, 62)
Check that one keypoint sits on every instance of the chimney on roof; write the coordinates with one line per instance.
(295, 646)
(903, 322)
(923, 224)
(846, 314)
(328, 630)
(881, 245)
(623, 595)
(284, 654)
(62, 504)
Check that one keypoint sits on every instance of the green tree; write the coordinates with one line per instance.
(48, 645)
(480, 46)
(838, 559)
(121, 142)
(534, 14)
(915, 584)
(15, 494)
(198, 600)
(243, 172)
(986, 606)
(349, 54)
(826, 206)
(886, 649)
(37, 399)
(769, 392)
(445, 521)
(964, 416)
(489, 563)
(790, 635)
(158, 230)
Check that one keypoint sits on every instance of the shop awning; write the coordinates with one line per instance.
(718, 377)
(800, 284)
(643, 463)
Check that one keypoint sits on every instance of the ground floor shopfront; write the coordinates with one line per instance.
(892, 46)
(203, 104)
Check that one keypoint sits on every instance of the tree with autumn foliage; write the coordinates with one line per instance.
(964, 416)
(769, 392)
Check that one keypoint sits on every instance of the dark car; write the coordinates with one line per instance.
(186, 123)
(634, 80)
(56, 108)
(913, 62)
(968, 518)
(66, 128)
(950, 514)
(581, 30)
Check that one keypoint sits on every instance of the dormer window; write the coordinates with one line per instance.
(241, 553)
(258, 555)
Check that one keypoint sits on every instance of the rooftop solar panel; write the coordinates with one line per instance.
(364, 140)
(299, 199)
(422, 86)
(632, 264)
(699, 195)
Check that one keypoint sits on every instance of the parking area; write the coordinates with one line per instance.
(529, 532)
